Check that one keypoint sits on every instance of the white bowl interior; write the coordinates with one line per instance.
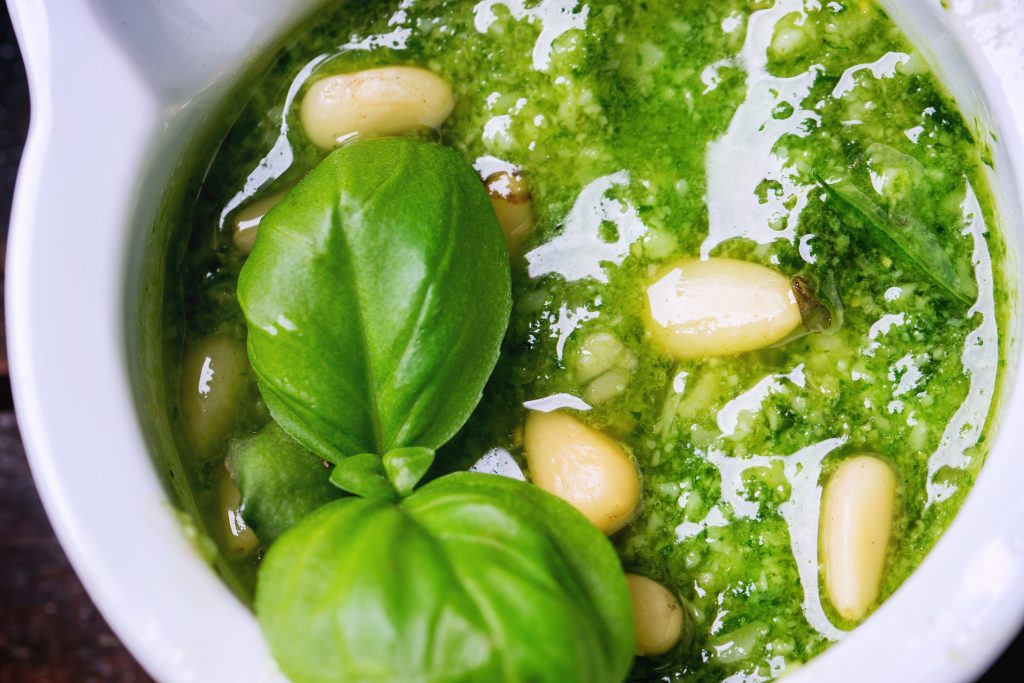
(82, 339)
(99, 162)
(963, 605)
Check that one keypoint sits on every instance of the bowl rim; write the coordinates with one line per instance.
(66, 296)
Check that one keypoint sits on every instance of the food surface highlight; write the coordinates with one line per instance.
(718, 289)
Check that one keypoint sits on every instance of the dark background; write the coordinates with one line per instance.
(50, 632)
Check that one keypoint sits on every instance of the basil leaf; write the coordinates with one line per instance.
(364, 476)
(406, 466)
(472, 578)
(280, 481)
(909, 239)
(376, 299)
(594, 561)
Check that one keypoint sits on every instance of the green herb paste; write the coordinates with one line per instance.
(650, 131)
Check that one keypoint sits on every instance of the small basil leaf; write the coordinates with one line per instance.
(376, 298)
(364, 476)
(472, 578)
(280, 481)
(905, 235)
(406, 466)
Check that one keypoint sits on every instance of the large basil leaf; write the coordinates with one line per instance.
(281, 482)
(376, 298)
(471, 578)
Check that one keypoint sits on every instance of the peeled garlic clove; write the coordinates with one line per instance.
(657, 616)
(719, 307)
(247, 221)
(375, 102)
(214, 373)
(584, 467)
(857, 508)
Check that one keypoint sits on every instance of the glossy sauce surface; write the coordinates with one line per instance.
(652, 133)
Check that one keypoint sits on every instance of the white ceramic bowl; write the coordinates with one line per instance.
(119, 90)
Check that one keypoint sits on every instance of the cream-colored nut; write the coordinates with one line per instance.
(856, 522)
(738, 645)
(657, 616)
(584, 467)
(510, 197)
(607, 386)
(794, 34)
(719, 307)
(599, 353)
(247, 221)
(214, 372)
(374, 102)
(238, 537)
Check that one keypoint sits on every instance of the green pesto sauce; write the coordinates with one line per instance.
(650, 131)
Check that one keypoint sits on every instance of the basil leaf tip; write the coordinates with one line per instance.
(405, 467)
(363, 475)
